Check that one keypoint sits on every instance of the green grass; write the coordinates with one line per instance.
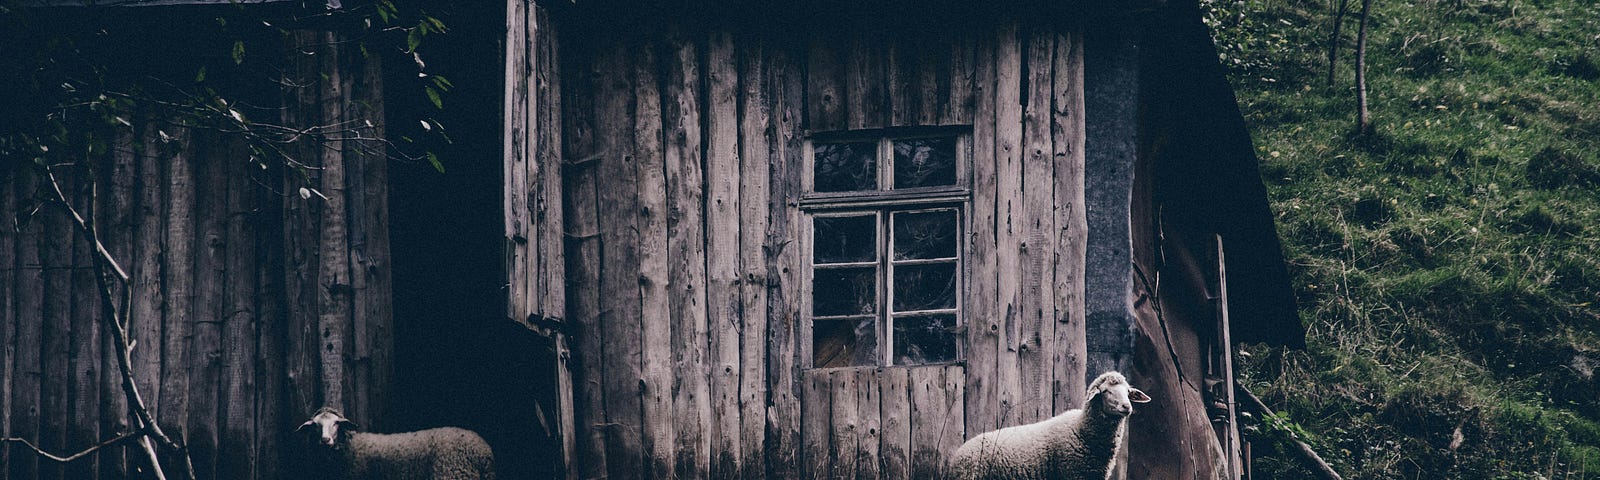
(1447, 265)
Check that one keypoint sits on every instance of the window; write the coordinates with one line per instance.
(885, 212)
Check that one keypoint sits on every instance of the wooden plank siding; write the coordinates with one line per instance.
(687, 273)
(227, 263)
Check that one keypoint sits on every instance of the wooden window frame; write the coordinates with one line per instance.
(884, 203)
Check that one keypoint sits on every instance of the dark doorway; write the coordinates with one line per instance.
(458, 359)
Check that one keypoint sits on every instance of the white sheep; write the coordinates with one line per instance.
(447, 453)
(1077, 444)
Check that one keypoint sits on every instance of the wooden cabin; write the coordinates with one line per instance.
(837, 240)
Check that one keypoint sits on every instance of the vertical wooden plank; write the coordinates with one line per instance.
(1071, 237)
(983, 322)
(686, 251)
(894, 450)
(951, 435)
(1036, 257)
(84, 343)
(904, 82)
(548, 152)
(352, 153)
(864, 82)
(275, 422)
(333, 255)
(783, 288)
(582, 246)
(119, 194)
(959, 105)
(755, 121)
(825, 90)
(933, 80)
(619, 277)
(9, 273)
(300, 234)
(29, 293)
(518, 243)
(928, 409)
(1009, 221)
(844, 443)
(816, 424)
(869, 424)
(149, 247)
(205, 368)
(655, 301)
(237, 454)
(723, 315)
(55, 250)
(371, 269)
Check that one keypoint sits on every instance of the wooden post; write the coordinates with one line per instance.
(1072, 233)
(1235, 467)
(755, 139)
(983, 320)
(722, 228)
(1009, 223)
(686, 245)
(784, 292)
(1036, 232)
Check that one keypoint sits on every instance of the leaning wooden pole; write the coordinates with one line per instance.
(1323, 470)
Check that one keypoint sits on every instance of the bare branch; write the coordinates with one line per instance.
(69, 458)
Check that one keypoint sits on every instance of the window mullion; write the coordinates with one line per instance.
(886, 293)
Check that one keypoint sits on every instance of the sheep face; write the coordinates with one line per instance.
(328, 425)
(1112, 394)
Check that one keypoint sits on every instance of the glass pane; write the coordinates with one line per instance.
(845, 167)
(927, 338)
(924, 162)
(844, 291)
(843, 343)
(924, 287)
(925, 235)
(845, 239)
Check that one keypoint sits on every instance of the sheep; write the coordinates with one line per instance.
(1078, 444)
(447, 453)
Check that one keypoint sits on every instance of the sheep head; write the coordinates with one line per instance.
(1112, 394)
(328, 425)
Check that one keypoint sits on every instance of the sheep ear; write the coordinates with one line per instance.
(1136, 396)
(304, 426)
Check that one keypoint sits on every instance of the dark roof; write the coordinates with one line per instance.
(1207, 173)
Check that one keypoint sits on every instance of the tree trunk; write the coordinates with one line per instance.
(1333, 39)
(1364, 118)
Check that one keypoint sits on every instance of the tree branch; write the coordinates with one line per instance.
(69, 458)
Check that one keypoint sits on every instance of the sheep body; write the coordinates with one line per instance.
(446, 453)
(1076, 445)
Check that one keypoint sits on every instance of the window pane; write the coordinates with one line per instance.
(927, 338)
(844, 167)
(925, 235)
(843, 343)
(924, 162)
(845, 239)
(844, 291)
(924, 287)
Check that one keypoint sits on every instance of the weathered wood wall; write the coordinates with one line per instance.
(252, 306)
(683, 164)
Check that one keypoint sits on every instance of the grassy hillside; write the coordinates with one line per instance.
(1448, 265)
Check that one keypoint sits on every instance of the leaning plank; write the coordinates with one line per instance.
(1036, 256)
(205, 369)
(816, 424)
(755, 138)
(868, 424)
(691, 404)
(983, 322)
(8, 299)
(723, 315)
(1071, 237)
(619, 320)
(894, 450)
(237, 455)
(1009, 223)
(55, 250)
(784, 291)
(29, 293)
(582, 246)
(84, 343)
(656, 321)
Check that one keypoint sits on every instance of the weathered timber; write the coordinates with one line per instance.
(29, 294)
(116, 224)
(149, 247)
(237, 452)
(300, 211)
(521, 239)
(686, 271)
(84, 345)
(755, 139)
(868, 424)
(845, 440)
(825, 87)
(55, 251)
(894, 445)
(616, 194)
(656, 320)
(1036, 263)
(205, 367)
(9, 272)
(1008, 224)
(1071, 236)
(721, 214)
(333, 270)
(582, 247)
(864, 82)
(931, 409)
(784, 291)
(983, 321)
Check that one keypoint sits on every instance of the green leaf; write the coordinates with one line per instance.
(413, 39)
(200, 75)
(238, 52)
(434, 160)
(433, 96)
